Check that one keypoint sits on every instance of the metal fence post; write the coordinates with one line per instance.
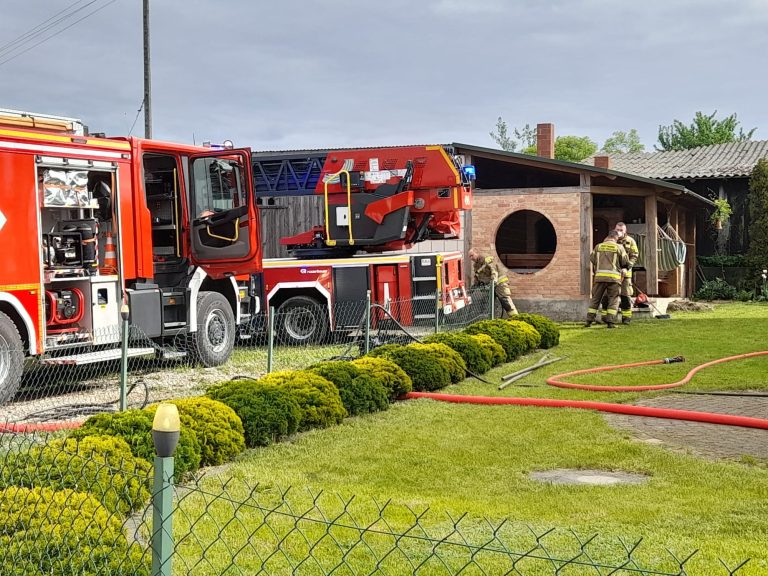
(124, 315)
(270, 338)
(437, 311)
(492, 298)
(162, 516)
(367, 321)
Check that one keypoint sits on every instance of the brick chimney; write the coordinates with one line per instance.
(603, 162)
(545, 140)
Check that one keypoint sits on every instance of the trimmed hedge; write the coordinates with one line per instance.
(446, 356)
(63, 532)
(527, 333)
(475, 358)
(392, 377)
(360, 392)
(503, 333)
(218, 428)
(426, 374)
(318, 398)
(267, 411)
(135, 427)
(491, 349)
(550, 333)
(101, 465)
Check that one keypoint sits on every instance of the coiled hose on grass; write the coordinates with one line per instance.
(558, 381)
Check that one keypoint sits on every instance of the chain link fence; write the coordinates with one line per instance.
(85, 378)
(74, 508)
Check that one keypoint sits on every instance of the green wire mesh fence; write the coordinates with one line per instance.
(74, 505)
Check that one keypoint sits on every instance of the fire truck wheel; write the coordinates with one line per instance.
(301, 320)
(214, 340)
(11, 359)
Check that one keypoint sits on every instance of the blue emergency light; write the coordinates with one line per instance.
(469, 171)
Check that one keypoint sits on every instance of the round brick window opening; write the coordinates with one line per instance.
(526, 241)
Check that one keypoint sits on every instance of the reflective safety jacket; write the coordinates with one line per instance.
(608, 259)
(633, 253)
(486, 271)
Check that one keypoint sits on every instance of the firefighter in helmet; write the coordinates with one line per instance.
(486, 271)
(630, 246)
(609, 259)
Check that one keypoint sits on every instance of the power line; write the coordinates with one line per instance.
(137, 117)
(6, 60)
(43, 27)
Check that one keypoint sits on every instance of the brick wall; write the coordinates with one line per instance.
(560, 280)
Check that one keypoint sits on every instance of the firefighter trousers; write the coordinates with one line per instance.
(625, 299)
(504, 294)
(608, 291)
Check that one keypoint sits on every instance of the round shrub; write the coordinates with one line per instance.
(360, 392)
(135, 427)
(550, 333)
(426, 373)
(318, 398)
(217, 427)
(63, 532)
(448, 357)
(394, 378)
(100, 465)
(501, 331)
(491, 349)
(470, 350)
(268, 412)
(529, 335)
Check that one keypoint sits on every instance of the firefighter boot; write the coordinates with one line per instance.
(625, 319)
(610, 325)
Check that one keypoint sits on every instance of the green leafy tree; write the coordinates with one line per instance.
(570, 148)
(523, 137)
(621, 142)
(703, 131)
(758, 216)
(501, 136)
(574, 148)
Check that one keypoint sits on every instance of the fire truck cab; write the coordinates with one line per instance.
(89, 225)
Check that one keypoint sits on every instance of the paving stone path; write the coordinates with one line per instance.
(711, 440)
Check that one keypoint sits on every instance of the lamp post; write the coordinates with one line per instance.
(165, 433)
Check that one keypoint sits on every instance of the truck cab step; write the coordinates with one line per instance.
(93, 357)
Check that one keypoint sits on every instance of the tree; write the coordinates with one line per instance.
(502, 137)
(524, 137)
(757, 253)
(574, 148)
(703, 131)
(622, 142)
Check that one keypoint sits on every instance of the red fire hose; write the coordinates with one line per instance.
(13, 428)
(708, 417)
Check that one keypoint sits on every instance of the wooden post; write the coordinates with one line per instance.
(585, 237)
(652, 244)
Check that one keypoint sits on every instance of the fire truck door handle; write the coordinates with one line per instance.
(228, 239)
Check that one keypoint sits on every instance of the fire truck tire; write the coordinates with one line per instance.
(11, 359)
(301, 320)
(214, 340)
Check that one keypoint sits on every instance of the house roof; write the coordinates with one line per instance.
(554, 164)
(731, 160)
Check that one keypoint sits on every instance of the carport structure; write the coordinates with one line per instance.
(541, 217)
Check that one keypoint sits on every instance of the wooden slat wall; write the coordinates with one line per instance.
(290, 215)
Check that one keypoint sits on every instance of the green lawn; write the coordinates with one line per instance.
(461, 458)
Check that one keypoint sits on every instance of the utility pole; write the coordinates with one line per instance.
(147, 76)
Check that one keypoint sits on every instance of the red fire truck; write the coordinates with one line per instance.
(374, 200)
(87, 224)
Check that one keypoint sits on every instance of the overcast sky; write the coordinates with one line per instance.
(303, 74)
